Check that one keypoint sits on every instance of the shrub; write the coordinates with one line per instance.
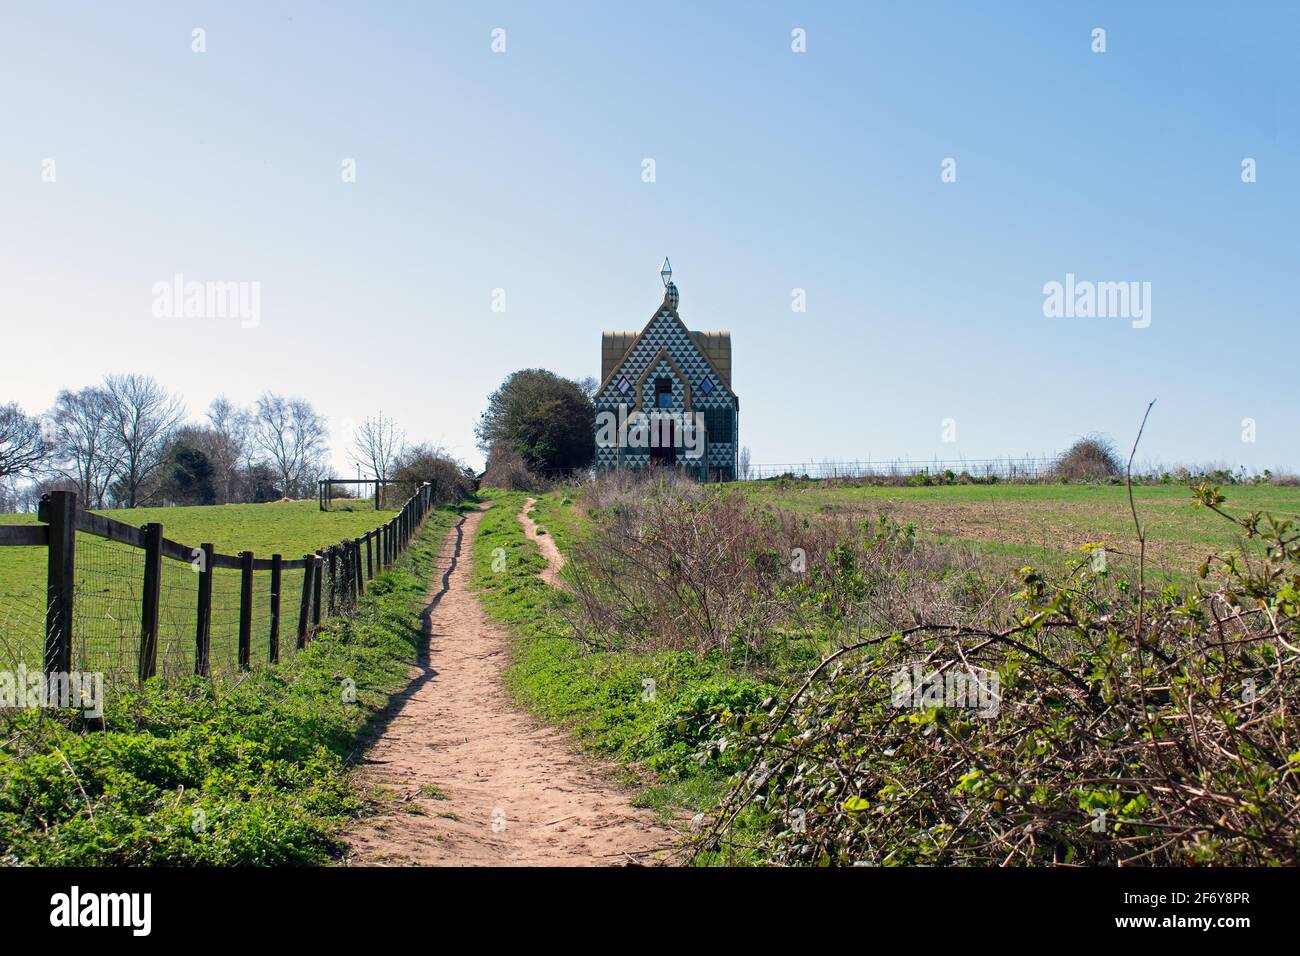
(673, 565)
(1130, 728)
(1088, 459)
(507, 470)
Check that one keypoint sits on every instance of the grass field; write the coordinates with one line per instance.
(109, 577)
(251, 771)
(1030, 523)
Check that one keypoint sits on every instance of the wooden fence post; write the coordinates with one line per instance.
(354, 552)
(304, 607)
(336, 579)
(356, 564)
(203, 632)
(351, 554)
(277, 570)
(245, 609)
(318, 567)
(150, 598)
(370, 555)
(376, 494)
(59, 510)
(341, 583)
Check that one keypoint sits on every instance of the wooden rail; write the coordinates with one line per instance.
(335, 576)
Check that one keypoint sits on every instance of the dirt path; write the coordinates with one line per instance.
(545, 543)
(473, 781)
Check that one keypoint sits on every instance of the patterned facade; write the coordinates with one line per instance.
(667, 368)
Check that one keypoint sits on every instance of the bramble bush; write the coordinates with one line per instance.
(1132, 727)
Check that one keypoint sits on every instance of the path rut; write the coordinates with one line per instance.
(514, 791)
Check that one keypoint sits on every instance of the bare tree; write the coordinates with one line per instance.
(23, 447)
(376, 444)
(83, 442)
(232, 427)
(742, 465)
(292, 436)
(143, 417)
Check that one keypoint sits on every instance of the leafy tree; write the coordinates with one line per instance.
(188, 477)
(546, 419)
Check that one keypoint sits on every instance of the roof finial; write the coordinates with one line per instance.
(671, 296)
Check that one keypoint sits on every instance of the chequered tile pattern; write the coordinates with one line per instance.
(666, 333)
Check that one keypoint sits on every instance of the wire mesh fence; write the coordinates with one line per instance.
(178, 604)
(106, 616)
(22, 626)
(1026, 468)
(129, 604)
(290, 606)
(223, 646)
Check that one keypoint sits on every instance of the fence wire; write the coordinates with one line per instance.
(177, 618)
(290, 606)
(106, 607)
(260, 638)
(108, 600)
(22, 613)
(223, 653)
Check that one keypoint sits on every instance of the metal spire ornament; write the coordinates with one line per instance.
(671, 295)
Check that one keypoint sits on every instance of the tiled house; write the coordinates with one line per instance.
(676, 381)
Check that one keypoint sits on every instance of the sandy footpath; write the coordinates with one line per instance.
(513, 791)
(545, 543)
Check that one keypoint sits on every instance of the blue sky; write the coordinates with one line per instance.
(775, 170)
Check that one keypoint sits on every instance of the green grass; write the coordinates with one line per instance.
(562, 518)
(1033, 523)
(598, 694)
(650, 711)
(109, 577)
(194, 772)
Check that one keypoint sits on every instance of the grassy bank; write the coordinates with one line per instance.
(241, 772)
(651, 711)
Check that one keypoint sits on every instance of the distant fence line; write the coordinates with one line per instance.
(1008, 468)
(104, 602)
(1026, 468)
